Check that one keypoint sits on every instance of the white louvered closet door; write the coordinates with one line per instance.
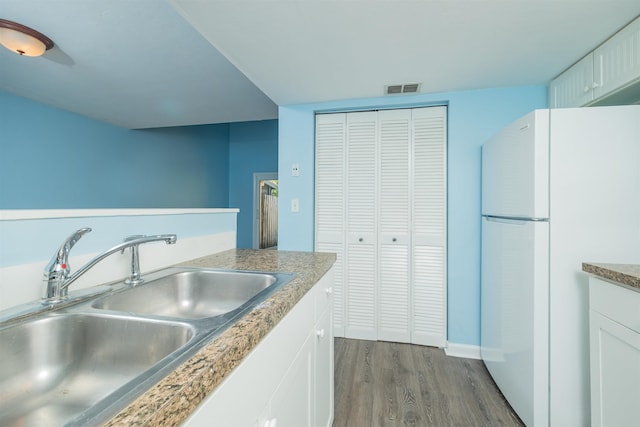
(360, 259)
(330, 202)
(381, 206)
(429, 226)
(394, 209)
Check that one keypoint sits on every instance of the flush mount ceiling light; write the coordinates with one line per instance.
(23, 40)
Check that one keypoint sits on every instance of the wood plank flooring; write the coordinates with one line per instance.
(379, 384)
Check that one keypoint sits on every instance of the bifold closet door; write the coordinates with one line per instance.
(381, 207)
(361, 225)
(330, 207)
(429, 222)
(394, 210)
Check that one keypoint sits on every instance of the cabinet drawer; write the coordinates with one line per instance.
(618, 303)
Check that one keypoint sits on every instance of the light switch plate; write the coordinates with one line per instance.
(295, 205)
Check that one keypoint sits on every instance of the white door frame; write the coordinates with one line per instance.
(257, 177)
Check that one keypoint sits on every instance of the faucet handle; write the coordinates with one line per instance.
(60, 261)
(57, 270)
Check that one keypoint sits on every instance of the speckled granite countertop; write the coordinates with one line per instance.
(170, 401)
(627, 275)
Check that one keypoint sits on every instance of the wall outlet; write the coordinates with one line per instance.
(295, 169)
(295, 205)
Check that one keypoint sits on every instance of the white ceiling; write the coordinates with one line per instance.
(145, 63)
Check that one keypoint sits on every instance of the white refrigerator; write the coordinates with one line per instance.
(559, 187)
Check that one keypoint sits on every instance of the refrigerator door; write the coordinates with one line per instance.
(515, 313)
(515, 169)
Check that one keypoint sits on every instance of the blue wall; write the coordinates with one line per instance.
(55, 159)
(253, 147)
(473, 117)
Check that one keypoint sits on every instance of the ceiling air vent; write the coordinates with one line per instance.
(404, 88)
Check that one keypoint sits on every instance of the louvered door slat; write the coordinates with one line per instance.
(361, 172)
(330, 170)
(429, 303)
(394, 293)
(360, 318)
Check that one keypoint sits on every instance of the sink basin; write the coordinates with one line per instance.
(191, 294)
(56, 366)
(81, 363)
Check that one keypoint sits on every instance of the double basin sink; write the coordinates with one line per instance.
(83, 363)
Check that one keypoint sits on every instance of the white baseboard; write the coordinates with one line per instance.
(462, 350)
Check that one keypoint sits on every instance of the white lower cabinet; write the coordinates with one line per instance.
(291, 405)
(323, 411)
(287, 380)
(614, 326)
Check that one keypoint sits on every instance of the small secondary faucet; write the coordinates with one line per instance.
(56, 272)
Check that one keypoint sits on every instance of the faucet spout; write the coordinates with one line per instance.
(58, 284)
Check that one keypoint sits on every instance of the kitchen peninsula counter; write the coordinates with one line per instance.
(627, 275)
(175, 397)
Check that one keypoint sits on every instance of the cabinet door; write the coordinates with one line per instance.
(324, 371)
(394, 223)
(617, 61)
(360, 259)
(330, 202)
(429, 226)
(615, 373)
(242, 397)
(574, 87)
(291, 405)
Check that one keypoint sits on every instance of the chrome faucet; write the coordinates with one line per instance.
(56, 272)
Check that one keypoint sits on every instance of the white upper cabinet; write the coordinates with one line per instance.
(603, 75)
(617, 62)
(574, 87)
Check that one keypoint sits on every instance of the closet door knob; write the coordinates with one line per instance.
(394, 239)
(360, 239)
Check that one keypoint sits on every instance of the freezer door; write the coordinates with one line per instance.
(515, 313)
(515, 169)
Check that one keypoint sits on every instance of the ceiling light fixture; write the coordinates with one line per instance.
(23, 40)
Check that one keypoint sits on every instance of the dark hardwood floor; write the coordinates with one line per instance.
(391, 384)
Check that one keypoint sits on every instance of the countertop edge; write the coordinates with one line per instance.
(170, 401)
(627, 275)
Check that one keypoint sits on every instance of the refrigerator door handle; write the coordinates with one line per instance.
(514, 219)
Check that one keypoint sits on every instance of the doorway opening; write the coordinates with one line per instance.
(265, 210)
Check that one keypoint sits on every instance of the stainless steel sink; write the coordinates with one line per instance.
(56, 366)
(190, 294)
(82, 362)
